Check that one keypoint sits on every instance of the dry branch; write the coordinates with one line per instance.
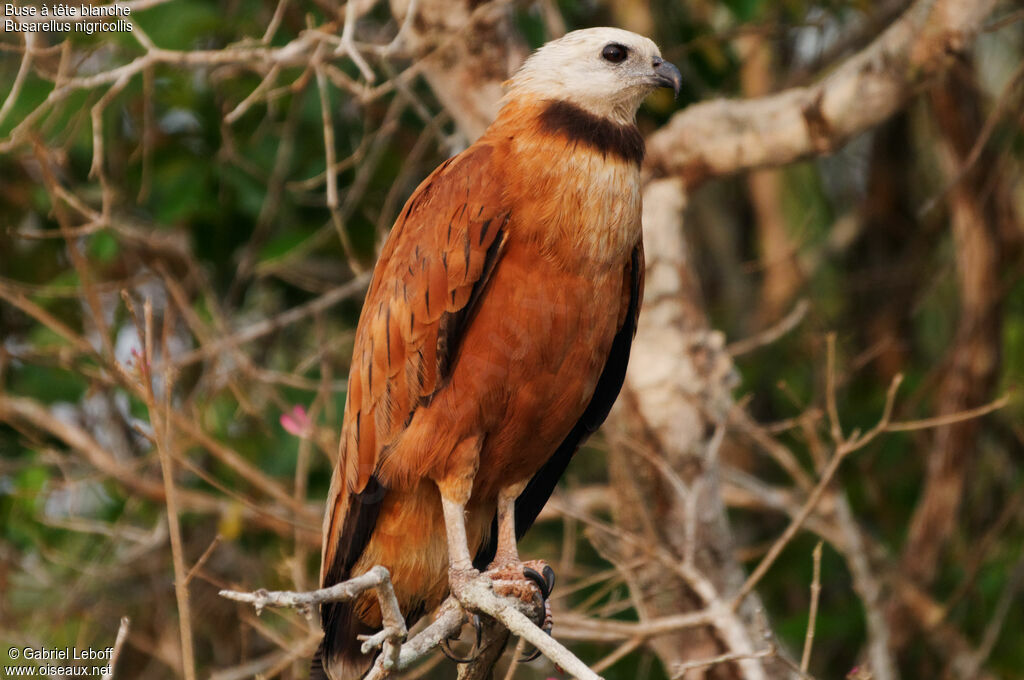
(477, 596)
(122, 635)
(812, 616)
(678, 383)
(724, 136)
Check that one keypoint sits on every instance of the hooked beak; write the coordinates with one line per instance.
(667, 75)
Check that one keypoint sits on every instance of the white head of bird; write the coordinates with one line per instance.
(606, 71)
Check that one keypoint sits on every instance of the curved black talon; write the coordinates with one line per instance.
(546, 627)
(446, 648)
(479, 629)
(447, 651)
(545, 583)
(549, 578)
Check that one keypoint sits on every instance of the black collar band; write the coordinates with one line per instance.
(624, 141)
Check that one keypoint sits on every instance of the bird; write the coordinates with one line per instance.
(493, 339)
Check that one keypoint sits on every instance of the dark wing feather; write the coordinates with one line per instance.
(426, 285)
(537, 492)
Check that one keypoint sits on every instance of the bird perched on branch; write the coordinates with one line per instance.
(493, 339)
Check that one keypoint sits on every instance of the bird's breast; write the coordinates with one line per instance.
(572, 199)
(531, 360)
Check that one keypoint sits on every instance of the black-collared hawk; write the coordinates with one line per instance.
(494, 336)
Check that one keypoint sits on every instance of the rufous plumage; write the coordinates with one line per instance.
(494, 337)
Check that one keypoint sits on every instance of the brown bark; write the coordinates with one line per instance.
(470, 49)
(677, 391)
(780, 270)
(891, 250)
(721, 137)
(676, 397)
(971, 368)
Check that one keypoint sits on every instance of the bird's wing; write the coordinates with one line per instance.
(538, 490)
(430, 275)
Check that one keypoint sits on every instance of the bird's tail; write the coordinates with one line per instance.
(339, 656)
(348, 526)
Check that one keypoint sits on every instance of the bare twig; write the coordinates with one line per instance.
(844, 449)
(244, 105)
(332, 175)
(812, 614)
(722, 137)
(949, 419)
(481, 598)
(267, 326)
(122, 635)
(995, 624)
(347, 45)
(998, 111)
(682, 669)
(159, 417)
(19, 79)
(770, 335)
(830, 390)
(340, 592)
(477, 596)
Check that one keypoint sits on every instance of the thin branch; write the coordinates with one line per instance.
(812, 614)
(122, 635)
(830, 390)
(843, 450)
(481, 598)
(1003, 104)
(477, 596)
(243, 106)
(722, 137)
(275, 22)
(282, 320)
(347, 45)
(770, 335)
(995, 624)
(340, 592)
(948, 419)
(159, 417)
(682, 669)
(19, 79)
(332, 175)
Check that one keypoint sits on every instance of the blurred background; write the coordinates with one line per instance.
(185, 240)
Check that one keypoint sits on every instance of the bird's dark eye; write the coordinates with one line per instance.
(615, 53)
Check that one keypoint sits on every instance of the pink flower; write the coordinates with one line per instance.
(297, 422)
(138, 360)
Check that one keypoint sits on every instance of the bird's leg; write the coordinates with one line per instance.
(506, 574)
(460, 564)
(506, 562)
(456, 486)
(507, 552)
(510, 576)
(456, 489)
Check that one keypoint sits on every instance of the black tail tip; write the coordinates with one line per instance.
(316, 666)
(348, 663)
